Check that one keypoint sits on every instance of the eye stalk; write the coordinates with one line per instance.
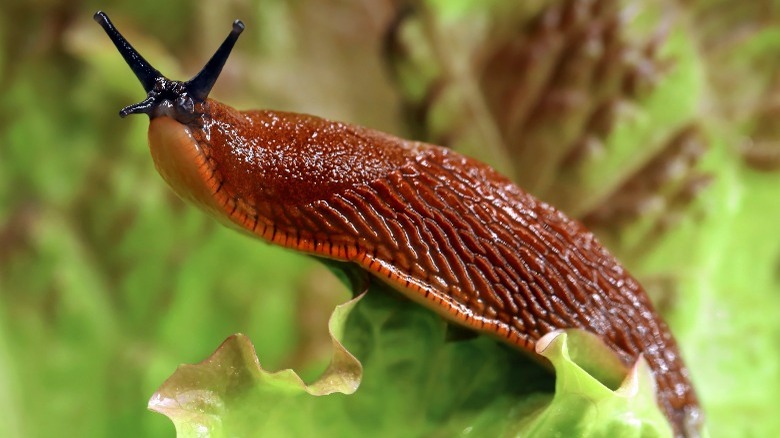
(165, 97)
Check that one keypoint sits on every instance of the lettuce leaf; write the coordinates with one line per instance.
(228, 393)
(416, 382)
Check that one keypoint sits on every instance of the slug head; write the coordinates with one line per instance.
(165, 97)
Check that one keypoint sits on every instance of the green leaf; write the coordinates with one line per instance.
(218, 396)
(418, 382)
(583, 406)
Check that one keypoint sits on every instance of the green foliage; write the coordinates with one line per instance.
(229, 394)
(416, 382)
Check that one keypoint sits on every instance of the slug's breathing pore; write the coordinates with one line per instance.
(445, 230)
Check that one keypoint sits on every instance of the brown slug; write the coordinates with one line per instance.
(443, 229)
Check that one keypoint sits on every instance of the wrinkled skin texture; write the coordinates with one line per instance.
(445, 230)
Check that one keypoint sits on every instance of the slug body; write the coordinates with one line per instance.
(441, 228)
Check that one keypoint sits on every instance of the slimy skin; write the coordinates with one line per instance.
(443, 229)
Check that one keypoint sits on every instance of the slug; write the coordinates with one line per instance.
(442, 229)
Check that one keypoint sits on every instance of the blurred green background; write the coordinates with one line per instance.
(108, 281)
